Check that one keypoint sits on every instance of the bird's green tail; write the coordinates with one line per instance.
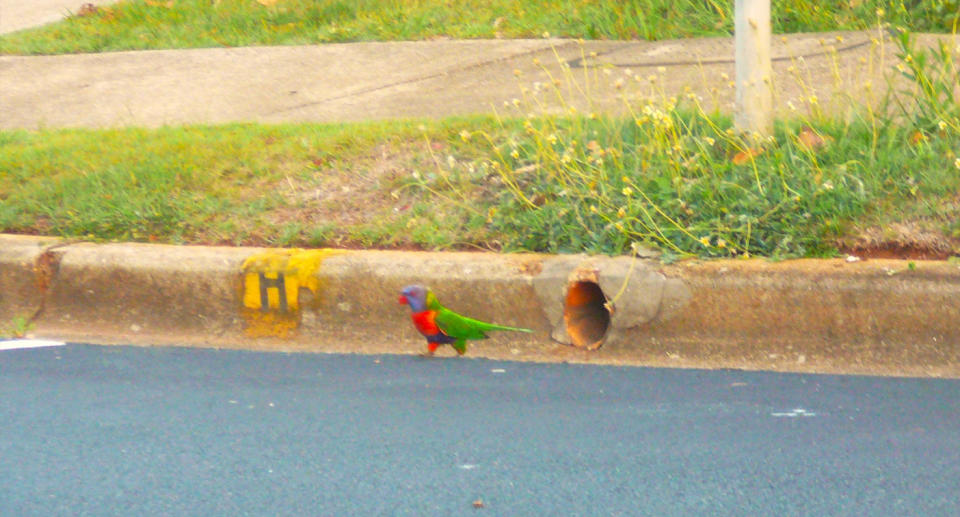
(493, 326)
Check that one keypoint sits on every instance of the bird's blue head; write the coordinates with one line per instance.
(415, 296)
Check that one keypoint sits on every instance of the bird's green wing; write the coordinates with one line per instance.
(459, 326)
(462, 327)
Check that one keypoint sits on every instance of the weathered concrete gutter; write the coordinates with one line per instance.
(874, 316)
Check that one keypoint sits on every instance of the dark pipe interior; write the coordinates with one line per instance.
(585, 315)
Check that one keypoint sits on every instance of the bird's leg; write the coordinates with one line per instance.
(432, 348)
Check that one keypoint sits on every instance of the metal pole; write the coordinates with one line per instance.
(754, 100)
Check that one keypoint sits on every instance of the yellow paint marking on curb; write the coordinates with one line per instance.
(271, 288)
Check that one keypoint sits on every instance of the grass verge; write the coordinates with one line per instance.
(333, 185)
(813, 190)
(882, 179)
(154, 24)
(669, 174)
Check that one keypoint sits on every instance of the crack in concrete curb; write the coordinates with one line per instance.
(45, 272)
(46, 268)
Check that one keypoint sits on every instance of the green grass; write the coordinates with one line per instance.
(604, 192)
(680, 178)
(252, 184)
(671, 175)
(237, 184)
(153, 24)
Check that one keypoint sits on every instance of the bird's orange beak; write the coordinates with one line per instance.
(403, 299)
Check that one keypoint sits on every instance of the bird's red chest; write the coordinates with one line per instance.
(426, 322)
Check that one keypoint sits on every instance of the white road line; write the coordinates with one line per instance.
(798, 412)
(16, 344)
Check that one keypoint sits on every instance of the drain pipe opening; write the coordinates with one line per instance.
(585, 315)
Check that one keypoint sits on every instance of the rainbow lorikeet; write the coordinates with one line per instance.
(440, 325)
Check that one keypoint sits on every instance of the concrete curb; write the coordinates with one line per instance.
(877, 316)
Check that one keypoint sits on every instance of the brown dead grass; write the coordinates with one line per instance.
(342, 204)
(916, 240)
(363, 191)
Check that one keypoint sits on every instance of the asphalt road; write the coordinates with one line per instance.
(90, 430)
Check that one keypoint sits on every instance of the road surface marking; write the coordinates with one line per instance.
(16, 344)
(794, 413)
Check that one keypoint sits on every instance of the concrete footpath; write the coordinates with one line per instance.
(828, 316)
(812, 73)
(17, 15)
(382, 80)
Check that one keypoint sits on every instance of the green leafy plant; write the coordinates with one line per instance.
(679, 177)
(17, 327)
(933, 73)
